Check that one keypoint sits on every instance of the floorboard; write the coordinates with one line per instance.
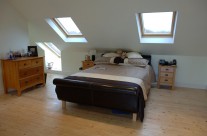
(38, 112)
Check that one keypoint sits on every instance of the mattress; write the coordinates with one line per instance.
(143, 76)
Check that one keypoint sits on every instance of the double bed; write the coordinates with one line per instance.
(118, 86)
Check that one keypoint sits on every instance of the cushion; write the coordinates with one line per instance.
(133, 55)
(123, 55)
(119, 51)
(116, 60)
(111, 54)
(102, 60)
(136, 62)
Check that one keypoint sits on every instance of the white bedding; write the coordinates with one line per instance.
(139, 75)
(116, 78)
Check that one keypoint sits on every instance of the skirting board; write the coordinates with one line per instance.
(195, 86)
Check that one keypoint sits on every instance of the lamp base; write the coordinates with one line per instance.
(93, 57)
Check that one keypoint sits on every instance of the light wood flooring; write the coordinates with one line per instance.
(182, 112)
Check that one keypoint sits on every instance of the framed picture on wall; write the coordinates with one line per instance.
(32, 50)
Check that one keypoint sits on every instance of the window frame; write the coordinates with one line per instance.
(47, 49)
(157, 35)
(57, 53)
(62, 29)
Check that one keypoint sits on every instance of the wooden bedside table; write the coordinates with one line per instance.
(166, 75)
(87, 64)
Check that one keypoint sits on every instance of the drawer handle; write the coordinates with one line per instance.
(166, 80)
(25, 73)
(166, 74)
(167, 69)
(25, 64)
(88, 64)
(36, 62)
(26, 82)
(37, 70)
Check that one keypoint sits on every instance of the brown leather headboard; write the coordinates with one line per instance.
(148, 57)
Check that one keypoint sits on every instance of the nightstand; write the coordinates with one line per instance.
(87, 64)
(166, 76)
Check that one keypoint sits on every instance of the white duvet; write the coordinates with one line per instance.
(116, 78)
(138, 75)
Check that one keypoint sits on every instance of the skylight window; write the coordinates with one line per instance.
(157, 23)
(53, 48)
(52, 55)
(68, 26)
(157, 27)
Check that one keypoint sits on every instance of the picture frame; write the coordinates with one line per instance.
(33, 51)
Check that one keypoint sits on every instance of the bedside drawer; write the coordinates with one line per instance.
(37, 62)
(26, 82)
(38, 79)
(166, 80)
(167, 69)
(87, 64)
(23, 73)
(24, 64)
(165, 74)
(38, 70)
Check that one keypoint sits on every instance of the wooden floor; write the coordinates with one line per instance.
(182, 112)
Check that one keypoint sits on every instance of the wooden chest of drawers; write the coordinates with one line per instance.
(22, 73)
(87, 64)
(166, 76)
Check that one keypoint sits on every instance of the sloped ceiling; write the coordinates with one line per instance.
(111, 24)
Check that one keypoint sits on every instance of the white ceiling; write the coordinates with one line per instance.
(111, 24)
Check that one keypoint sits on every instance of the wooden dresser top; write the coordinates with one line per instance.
(21, 59)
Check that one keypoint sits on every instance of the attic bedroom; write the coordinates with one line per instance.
(110, 67)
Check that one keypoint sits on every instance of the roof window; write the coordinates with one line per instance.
(156, 27)
(66, 28)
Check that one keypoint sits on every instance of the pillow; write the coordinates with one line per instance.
(102, 60)
(111, 54)
(116, 60)
(136, 62)
(123, 55)
(133, 55)
(119, 51)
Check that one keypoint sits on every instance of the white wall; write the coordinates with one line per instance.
(72, 58)
(72, 54)
(13, 32)
(191, 71)
(105, 32)
(111, 24)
